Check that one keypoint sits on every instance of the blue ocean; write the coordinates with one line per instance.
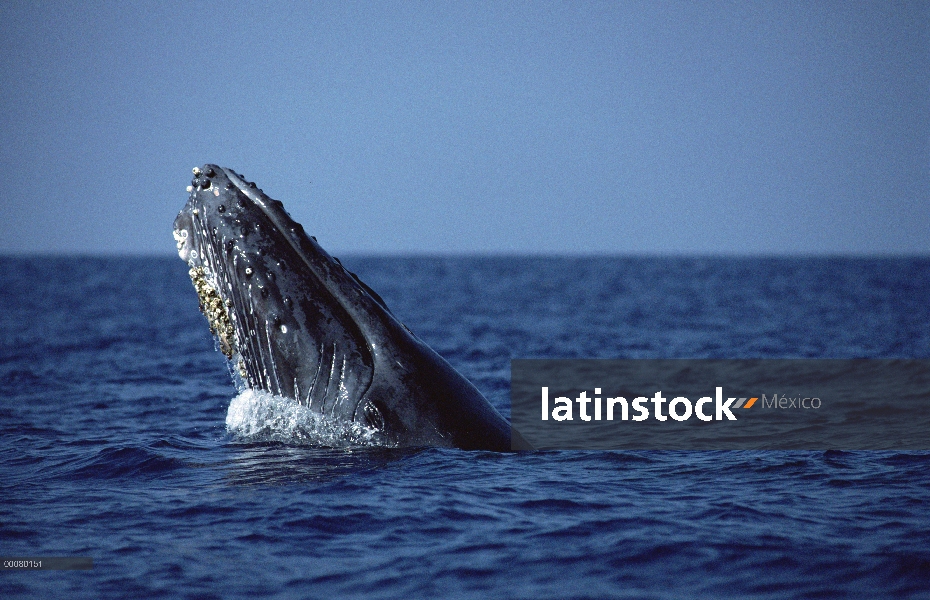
(124, 439)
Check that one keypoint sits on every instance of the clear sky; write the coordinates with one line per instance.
(575, 127)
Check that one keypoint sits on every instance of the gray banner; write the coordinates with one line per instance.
(788, 404)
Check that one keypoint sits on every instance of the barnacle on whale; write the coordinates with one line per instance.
(213, 307)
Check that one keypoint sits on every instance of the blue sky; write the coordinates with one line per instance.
(616, 127)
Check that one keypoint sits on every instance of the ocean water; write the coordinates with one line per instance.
(114, 442)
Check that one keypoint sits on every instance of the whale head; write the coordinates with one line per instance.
(294, 322)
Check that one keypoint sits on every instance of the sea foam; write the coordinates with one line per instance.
(260, 416)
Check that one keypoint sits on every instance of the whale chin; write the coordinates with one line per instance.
(295, 323)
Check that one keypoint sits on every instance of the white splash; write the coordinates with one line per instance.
(260, 416)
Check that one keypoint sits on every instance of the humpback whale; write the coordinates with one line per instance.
(295, 323)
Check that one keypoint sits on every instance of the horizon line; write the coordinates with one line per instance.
(502, 254)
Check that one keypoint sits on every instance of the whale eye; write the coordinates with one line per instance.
(229, 245)
(264, 292)
(221, 208)
(205, 183)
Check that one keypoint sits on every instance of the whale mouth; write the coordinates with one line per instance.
(256, 273)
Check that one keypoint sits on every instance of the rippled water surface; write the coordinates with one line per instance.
(113, 443)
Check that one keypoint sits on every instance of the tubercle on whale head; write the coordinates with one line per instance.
(359, 300)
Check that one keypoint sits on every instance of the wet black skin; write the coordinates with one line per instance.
(308, 329)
